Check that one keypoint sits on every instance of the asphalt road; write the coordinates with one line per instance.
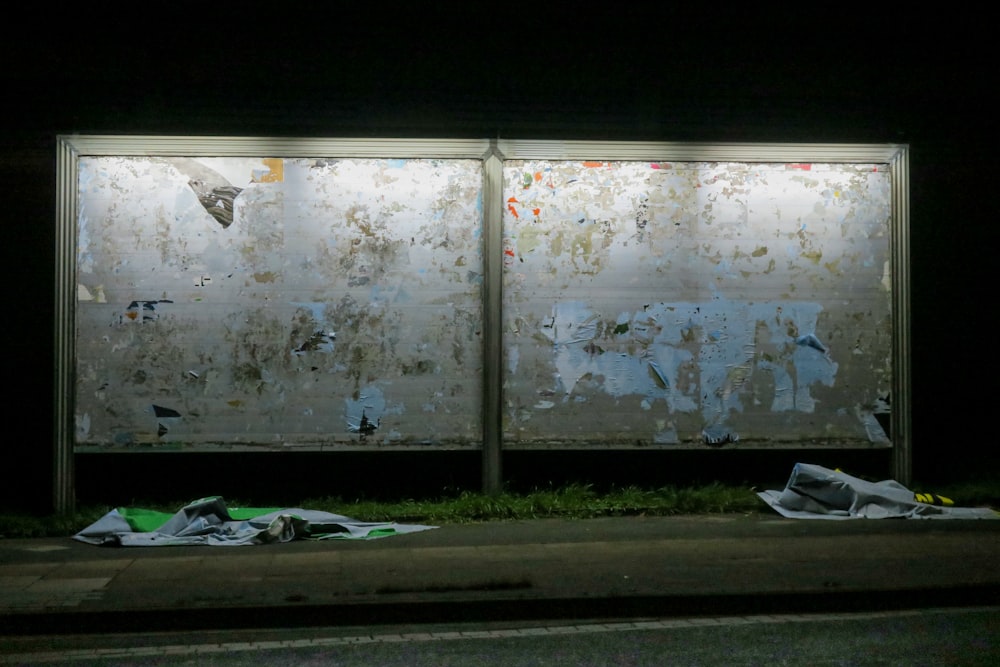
(933, 636)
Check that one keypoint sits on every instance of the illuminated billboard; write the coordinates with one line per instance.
(234, 294)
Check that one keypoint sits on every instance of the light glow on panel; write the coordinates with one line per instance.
(270, 302)
(664, 302)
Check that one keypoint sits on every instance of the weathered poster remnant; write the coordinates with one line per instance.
(266, 302)
(681, 303)
(233, 302)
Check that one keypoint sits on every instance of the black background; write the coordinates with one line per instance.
(663, 72)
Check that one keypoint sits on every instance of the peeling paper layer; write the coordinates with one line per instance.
(278, 302)
(653, 303)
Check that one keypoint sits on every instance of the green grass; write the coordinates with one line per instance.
(573, 501)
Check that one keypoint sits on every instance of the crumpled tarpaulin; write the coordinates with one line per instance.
(209, 522)
(815, 492)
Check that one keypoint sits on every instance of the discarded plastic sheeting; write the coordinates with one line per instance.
(815, 492)
(209, 522)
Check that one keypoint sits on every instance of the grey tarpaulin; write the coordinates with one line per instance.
(210, 522)
(815, 492)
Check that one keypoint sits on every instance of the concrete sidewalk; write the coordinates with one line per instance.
(542, 569)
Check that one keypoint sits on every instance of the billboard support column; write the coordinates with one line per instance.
(492, 319)
(901, 406)
(63, 483)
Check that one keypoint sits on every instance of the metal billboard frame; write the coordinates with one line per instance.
(492, 153)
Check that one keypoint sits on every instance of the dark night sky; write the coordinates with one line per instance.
(836, 74)
(527, 68)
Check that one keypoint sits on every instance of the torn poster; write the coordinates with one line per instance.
(209, 522)
(815, 492)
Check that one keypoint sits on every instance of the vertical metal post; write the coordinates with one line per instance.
(900, 406)
(64, 334)
(492, 319)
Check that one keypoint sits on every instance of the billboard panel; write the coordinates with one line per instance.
(278, 302)
(671, 303)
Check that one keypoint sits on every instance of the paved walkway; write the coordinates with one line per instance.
(543, 569)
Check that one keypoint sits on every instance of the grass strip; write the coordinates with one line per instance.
(572, 501)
